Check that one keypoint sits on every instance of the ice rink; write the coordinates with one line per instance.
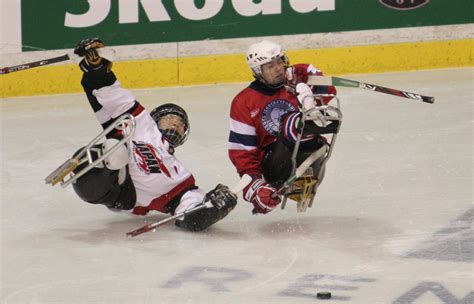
(392, 222)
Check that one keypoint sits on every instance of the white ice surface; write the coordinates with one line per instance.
(401, 172)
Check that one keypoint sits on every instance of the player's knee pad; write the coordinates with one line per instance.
(316, 170)
(101, 185)
(276, 164)
(97, 185)
(304, 153)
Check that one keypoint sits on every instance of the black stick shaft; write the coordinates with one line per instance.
(377, 88)
(343, 82)
(34, 64)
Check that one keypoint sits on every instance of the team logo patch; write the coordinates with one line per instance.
(147, 159)
(404, 4)
(272, 112)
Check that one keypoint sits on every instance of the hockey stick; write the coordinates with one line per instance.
(244, 181)
(343, 82)
(34, 64)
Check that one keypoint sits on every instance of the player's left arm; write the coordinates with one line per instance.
(299, 73)
(243, 149)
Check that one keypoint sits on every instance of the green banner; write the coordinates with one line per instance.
(59, 24)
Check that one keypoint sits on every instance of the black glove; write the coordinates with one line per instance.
(222, 200)
(86, 44)
(87, 48)
(221, 197)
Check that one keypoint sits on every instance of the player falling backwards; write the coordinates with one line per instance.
(143, 175)
(276, 123)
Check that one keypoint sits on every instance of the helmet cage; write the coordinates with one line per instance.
(172, 135)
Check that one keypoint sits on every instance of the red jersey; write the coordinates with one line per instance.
(255, 122)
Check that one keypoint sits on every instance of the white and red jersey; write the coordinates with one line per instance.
(255, 118)
(158, 176)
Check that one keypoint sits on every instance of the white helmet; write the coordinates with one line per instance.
(263, 52)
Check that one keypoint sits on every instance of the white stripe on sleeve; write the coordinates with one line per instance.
(235, 146)
(242, 128)
(115, 99)
(102, 116)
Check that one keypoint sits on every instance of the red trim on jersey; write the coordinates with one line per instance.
(135, 110)
(159, 203)
(138, 110)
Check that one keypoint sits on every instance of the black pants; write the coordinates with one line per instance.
(276, 164)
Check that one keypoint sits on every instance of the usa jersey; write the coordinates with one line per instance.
(158, 176)
(255, 122)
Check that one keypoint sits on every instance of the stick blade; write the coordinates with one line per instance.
(429, 99)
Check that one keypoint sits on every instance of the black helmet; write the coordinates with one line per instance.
(175, 139)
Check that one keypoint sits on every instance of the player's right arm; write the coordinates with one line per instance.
(243, 141)
(299, 73)
(107, 98)
(246, 155)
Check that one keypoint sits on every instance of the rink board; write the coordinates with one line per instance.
(225, 68)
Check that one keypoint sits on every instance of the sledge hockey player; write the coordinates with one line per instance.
(142, 175)
(267, 139)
